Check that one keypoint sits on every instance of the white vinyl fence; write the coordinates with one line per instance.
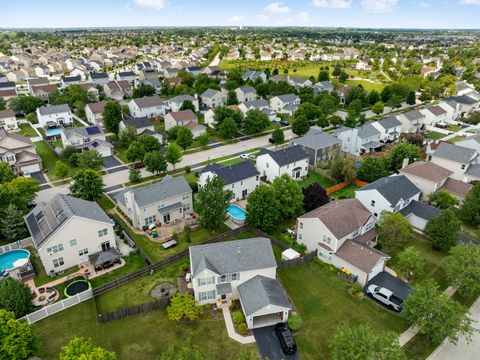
(16, 245)
(58, 306)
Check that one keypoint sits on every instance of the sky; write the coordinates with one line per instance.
(430, 14)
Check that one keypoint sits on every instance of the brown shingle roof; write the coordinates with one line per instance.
(436, 110)
(427, 170)
(45, 88)
(148, 101)
(6, 114)
(97, 107)
(361, 256)
(184, 115)
(457, 187)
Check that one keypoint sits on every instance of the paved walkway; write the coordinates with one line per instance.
(231, 329)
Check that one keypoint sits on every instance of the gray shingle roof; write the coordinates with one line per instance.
(100, 75)
(390, 122)
(138, 123)
(421, 210)
(247, 89)
(181, 98)
(233, 173)
(463, 99)
(84, 131)
(148, 101)
(286, 155)
(55, 109)
(367, 130)
(317, 139)
(209, 93)
(393, 188)
(287, 97)
(232, 256)
(256, 104)
(474, 170)
(413, 115)
(260, 292)
(454, 152)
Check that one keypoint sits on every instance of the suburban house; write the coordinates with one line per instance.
(259, 104)
(291, 160)
(213, 98)
(455, 158)
(149, 106)
(412, 121)
(254, 75)
(87, 138)
(141, 125)
(342, 233)
(209, 116)
(36, 82)
(318, 145)
(126, 75)
(19, 152)
(241, 178)
(67, 230)
(280, 102)
(98, 78)
(53, 116)
(117, 90)
(43, 91)
(434, 114)
(70, 80)
(185, 118)
(359, 140)
(246, 93)
(470, 142)
(176, 102)
(93, 112)
(390, 128)
(161, 203)
(243, 270)
(323, 86)
(8, 121)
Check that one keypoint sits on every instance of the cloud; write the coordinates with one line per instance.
(379, 6)
(263, 18)
(235, 19)
(469, 2)
(277, 8)
(151, 4)
(423, 4)
(303, 17)
(333, 4)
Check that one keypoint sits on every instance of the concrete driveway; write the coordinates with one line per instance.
(269, 345)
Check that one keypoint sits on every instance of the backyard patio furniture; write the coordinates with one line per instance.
(52, 296)
(169, 244)
(41, 290)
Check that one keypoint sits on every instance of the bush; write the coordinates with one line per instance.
(188, 169)
(238, 317)
(356, 291)
(294, 321)
(242, 329)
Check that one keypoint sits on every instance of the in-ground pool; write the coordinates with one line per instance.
(53, 132)
(237, 214)
(76, 287)
(8, 259)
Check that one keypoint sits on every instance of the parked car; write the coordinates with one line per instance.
(271, 141)
(286, 338)
(284, 123)
(244, 156)
(385, 296)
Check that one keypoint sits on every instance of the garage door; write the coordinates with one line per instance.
(30, 169)
(105, 152)
(417, 222)
(376, 270)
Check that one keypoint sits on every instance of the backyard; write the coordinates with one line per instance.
(49, 159)
(314, 177)
(27, 130)
(435, 135)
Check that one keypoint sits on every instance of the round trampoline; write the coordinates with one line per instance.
(76, 287)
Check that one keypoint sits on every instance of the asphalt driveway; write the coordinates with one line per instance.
(269, 345)
(41, 180)
(112, 161)
(400, 288)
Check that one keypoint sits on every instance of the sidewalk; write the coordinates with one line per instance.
(231, 329)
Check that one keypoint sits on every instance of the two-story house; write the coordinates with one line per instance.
(161, 203)
(455, 158)
(149, 106)
(241, 178)
(70, 80)
(290, 160)
(318, 145)
(254, 75)
(360, 140)
(117, 90)
(98, 78)
(94, 112)
(212, 98)
(185, 118)
(19, 152)
(126, 75)
(342, 233)
(87, 138)
(243, 270)
(412, 121)
(8, 121)
(142, 126)
(280, 102)
(54, 116)
(434, 114)
(176, 102)
(389, 128)
(246, 93)
(66, 231)
(259, 104)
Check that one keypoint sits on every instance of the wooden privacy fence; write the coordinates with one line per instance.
(298, 261)
(344, 184)
(142, 253)
(133, 310)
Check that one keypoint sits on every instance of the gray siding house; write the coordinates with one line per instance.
(318, 145)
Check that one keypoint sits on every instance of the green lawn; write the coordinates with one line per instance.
(27, 130)
(232, 161)
(121, 153)
(140, 337)
(435, 135)
(345, 193)
(367, 85)
(49, 158)
(41, 276)
(105, 203)
(313, 177)
(191, 179)
(455, 139)
(321, 298)
(453, 127)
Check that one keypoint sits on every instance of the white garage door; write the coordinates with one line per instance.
(376, 270)
(417, 223)
(104, 152)
(27, 170)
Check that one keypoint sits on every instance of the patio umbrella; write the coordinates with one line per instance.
(20, 262)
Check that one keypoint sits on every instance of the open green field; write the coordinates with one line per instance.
(367, 85)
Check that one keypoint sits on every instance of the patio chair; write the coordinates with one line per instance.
(41, 290)
(52, 296)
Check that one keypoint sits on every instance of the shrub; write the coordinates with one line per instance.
(238, 317)
(242, 329)
(356, 291)
(188, 169)
(295, 322)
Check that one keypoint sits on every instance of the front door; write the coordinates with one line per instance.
(244, 193)
(105, 245)
(166, 218)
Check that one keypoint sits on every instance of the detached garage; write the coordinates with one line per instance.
(264, 302)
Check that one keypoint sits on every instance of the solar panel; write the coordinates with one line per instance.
(92, 130)
(32, 224)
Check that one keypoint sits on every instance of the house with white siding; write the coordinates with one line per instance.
(8, 121)
(280, 102)
(213, 98)
(93, 112)
(149, 106)
(290, 160)
(412, 121)
(176, 102)
(53, 116)
(19, 152)
(86, 138)
(185, 118)
(246, 93)
(457, 159)
(359, 140)
(389, 128)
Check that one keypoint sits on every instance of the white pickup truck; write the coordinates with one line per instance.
(385, 296)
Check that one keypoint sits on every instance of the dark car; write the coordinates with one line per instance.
(284, 123)
(286, 338)
(271, 141)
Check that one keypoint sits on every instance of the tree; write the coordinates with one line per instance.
(411, 100)
(374, 97)
(436, 315)
(61, 169)
(183, 306)
(300, 125)
(363, 343)
(13, 226)
(442, 199)
(228, 128)
(135, 152)
(20, 192)
(186, 352)
(87, 185)
(401, 151)
(232, 98)
(134, 175)
(394, 232)
(3, 104)
(184, 138)
(154, 162)
(173, 154)
(263, 210)
(17, 338)
(25, 104)
(372, 168)
(255, 122)
(211, 203)
(378, 108)
(112, 116)
(222, 113)
(90, 159)
(442, 230)
(16, 297)
(143, 90)
(69, 154)
(6, 173)
(323, 75)
(80, 348)
(290, 192)
(462, 268)
(127, 136)
(314, 196)
(470, 209)
(410, 263)
(187, 105)
(278, 136)
(341, 168)
(149, 143)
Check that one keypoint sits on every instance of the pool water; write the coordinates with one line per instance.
(52, 132)
(236, 212)
(7, 259)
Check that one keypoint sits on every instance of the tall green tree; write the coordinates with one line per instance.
(184, 138)
(17, 338)
(378, 108)
(80, 348)
(411, 263)
(470, 208)
(61, 169)
(25, 104)
(187, 105)
(232, 98)
(341, 168)
(402, 151)
(87, 185)
(372, 168)
(442, 230)
(290, 193)
(6, 173)
(173, 154)
(263, 209)
(149, 143)
(143, 90)
(462, 268)
(394, 232)
(127, 136)
(135, 152)
(112, 116)
(16, 297)
(278, 136)
(13, 225)
(228, 128)
(442, 199)
(255, 122)
(211, 203)
(3, 104)
(134, 175)
(154, 162)
(90, 159)
(300, 125)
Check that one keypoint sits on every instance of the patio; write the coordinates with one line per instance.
(166, 231)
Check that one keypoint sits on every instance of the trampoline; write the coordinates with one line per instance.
(77, 287)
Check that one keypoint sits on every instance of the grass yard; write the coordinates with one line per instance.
(435, 135)
(367, 85)
(27, 130)
(139, 337)
(105, 203)
(456, 138)
(49, 158)
(41, 275)
(232, 161)
(323, 302)
(453, 127)
(191, 179)
(345, 193)
(313, 177)
(121, 153)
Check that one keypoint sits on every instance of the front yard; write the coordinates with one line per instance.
(435, 135)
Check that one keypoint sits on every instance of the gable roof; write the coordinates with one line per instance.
(83, 131)
(454, 152)
(148, 101)
(97, 107)
(247, 89)
(233, 173)
(393, 188)
(361, 256)
(259, 103)
(183, 115)
(54, 109)
(287, 155)
(287, 97)
(317, 139)
(390, 122)
(99, 75)
(6, 114)
(232, 256)
(367, 130)
(181, 98)
(138, 123)
(422, 210)
(427, 170)
(413, 115)
(457, 187)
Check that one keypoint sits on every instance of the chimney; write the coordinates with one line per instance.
(405, 162)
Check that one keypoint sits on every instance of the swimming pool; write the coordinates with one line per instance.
(8, 259)
(53, 132)
(236, 213)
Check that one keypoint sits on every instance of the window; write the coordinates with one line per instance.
(257, 177)
(356, 233)
(150, 220)
(73, 242)
(267, 165)
(375, 214)
(58, 262)
(372, 203)
(102, 232)
(229, 277)
(300, 236)
(463, 166)
(54, 249)
(301, 225)
(83, 252)
(206, 295)
(327, 240)
(206, 281)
